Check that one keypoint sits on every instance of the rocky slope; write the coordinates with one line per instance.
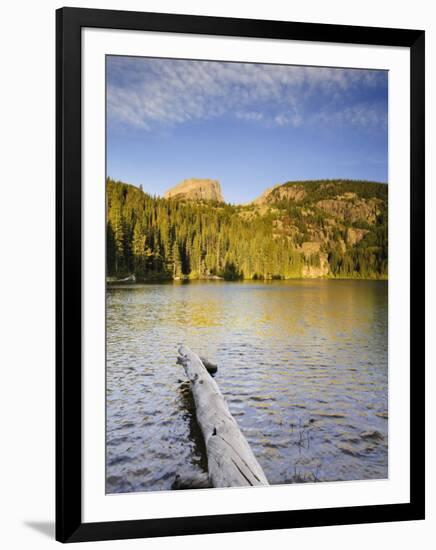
(327, 220)
(281, 192)
(196, 189)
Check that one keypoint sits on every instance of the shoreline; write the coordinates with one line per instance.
(222, 280)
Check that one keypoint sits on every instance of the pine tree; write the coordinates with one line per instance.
(118, 233)
(177, 261)
(138, 249)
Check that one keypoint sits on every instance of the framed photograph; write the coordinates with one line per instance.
(240, 264)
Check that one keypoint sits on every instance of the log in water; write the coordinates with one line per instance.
(231, 462)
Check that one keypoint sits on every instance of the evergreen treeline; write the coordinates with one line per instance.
(327, 189)
(156, 238)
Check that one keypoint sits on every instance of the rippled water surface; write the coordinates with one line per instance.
(302, 365)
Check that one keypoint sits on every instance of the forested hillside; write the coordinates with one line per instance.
(298, 229)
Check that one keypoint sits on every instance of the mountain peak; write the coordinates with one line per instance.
(196, 189)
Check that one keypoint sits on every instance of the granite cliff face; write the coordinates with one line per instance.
(196, 189)
(352, 209)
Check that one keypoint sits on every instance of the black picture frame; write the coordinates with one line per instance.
(69, 525)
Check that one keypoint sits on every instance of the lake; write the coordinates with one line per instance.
(302, 364)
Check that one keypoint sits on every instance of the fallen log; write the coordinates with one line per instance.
(129, 279)
(231, 462)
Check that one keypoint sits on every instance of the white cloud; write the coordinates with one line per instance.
(288, 119)
(250, 115)
(366, 115)
(146, 92)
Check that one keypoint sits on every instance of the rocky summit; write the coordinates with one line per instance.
(196, 189)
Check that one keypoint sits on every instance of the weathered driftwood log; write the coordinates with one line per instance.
(231, 462)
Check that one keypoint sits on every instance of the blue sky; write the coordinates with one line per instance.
(250, 126)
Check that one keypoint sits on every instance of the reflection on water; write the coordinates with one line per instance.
(302, 365)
